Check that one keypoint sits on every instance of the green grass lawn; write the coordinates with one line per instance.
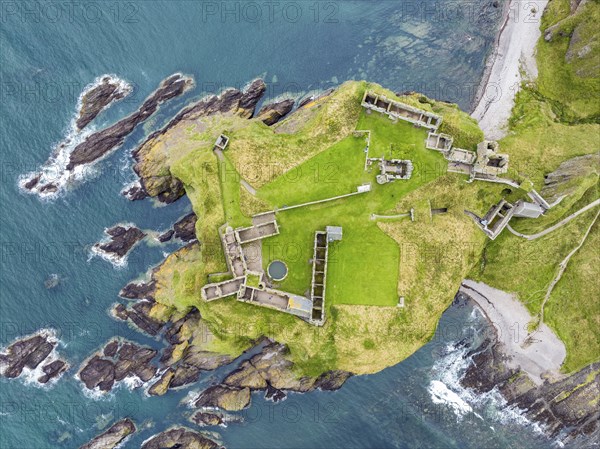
(336, 171)
(363, 267)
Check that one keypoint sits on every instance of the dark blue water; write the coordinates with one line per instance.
(50, 50)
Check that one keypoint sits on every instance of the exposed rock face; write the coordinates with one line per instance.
(134, 192)
(271, 371)
(224, 397)
(565, 406)
(30, 352)
(207, 418)
(166, 236)
(94, 100)
(138, 290)
(185, 360)
(273, 112)
(332, 380)
(101, 142)
(563, 180)
(52, 370)
(122, 239)
(139, 314)
(113, 436)
(179, 438)
(117, 362)
(185, 228)
(269, 367)
(154, 180)
(161, 386)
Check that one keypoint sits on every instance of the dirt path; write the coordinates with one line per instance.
(563, 267)
(561, 223)
(251, 190)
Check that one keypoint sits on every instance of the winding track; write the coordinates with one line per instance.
(561, 223)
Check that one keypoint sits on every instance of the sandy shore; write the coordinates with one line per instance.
(512, 60)
(538, 354)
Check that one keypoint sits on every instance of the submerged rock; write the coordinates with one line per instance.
(122, 239)
(52, 281)
(180, 438)
(113, 436)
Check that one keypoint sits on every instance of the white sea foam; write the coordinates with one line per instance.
(116, 261)
(30, 376)
(445, 388)
(54, 170)
(441, 394)
(123, 87)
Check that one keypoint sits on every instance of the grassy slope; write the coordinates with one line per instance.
(547, 129)
(364, 267)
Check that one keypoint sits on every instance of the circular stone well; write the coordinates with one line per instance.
(277, 270)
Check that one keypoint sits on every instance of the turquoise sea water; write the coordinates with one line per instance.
(50, 50)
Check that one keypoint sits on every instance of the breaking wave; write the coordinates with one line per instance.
(52, 178)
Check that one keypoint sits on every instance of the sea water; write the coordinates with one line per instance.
(51, 50)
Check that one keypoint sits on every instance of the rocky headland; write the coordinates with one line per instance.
(112, 437)
(565, 406)
(269, 371)
(155, 178)
(36, 354)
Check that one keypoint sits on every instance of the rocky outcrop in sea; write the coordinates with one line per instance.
(112, 437)
(184, 229)
(100, 143)
(122, 240)
(180, 438)
(80, 149)
(98, 96)
(35, 354)
(117, 361)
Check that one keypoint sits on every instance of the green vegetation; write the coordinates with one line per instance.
(316, 154)
(554, 120)
(313, 155)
